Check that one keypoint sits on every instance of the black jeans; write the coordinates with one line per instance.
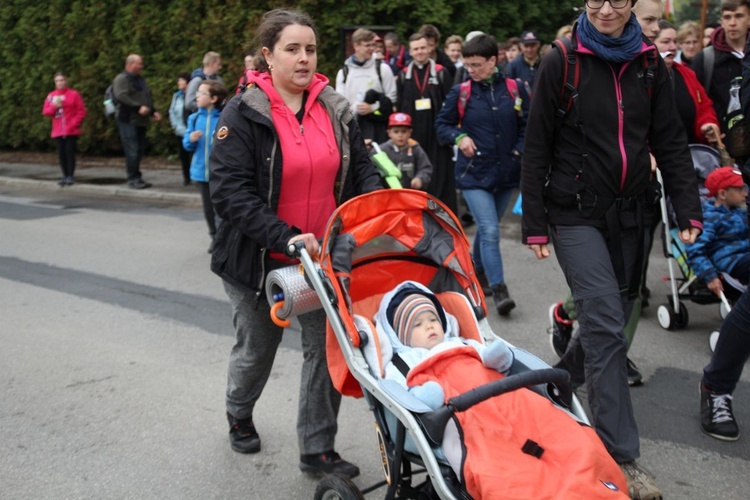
(185, 159)
(66, 154)
(733, 347)
(209, 213)
(134, 146)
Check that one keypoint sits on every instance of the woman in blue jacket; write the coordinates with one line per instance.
(484, 118)
(199, 138)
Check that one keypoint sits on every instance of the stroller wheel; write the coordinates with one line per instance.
(669, 320)
(712, 340)
(337, 487)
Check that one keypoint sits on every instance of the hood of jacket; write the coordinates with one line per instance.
(719, 40)
(353, 63)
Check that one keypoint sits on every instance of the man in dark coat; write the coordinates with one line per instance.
(422, 87)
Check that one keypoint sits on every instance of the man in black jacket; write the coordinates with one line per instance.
(716, 66)
(135, 110)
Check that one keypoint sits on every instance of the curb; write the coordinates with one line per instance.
(124, 192)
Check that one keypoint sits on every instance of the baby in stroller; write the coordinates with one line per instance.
(516, 445)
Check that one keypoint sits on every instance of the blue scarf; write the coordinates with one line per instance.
(615, 50)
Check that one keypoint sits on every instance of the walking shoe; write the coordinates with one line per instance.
(634, 375)
(70, 180)
(139, 184)
(503, 302)
(242, 435)
(62, 181)
(561, 329)
(328, 462)
(717, 418)
(640, 483)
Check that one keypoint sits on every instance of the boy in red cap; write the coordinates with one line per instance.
(406, 153)
(724, 247)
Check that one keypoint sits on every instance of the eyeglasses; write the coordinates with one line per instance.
(475, 65)
(615, 4)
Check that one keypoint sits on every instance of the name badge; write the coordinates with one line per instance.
(423, 104)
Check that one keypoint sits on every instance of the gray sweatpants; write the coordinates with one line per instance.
(251, 361)
(585, 260)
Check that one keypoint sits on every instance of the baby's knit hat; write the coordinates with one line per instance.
(406, 313)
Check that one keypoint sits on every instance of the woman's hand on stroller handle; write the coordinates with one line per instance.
(540, 250)
(306, 240)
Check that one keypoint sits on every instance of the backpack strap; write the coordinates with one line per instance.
(464, 92)
(650, 65)
(345, 70)
(709, 56)
(571, 75)
(512, 85)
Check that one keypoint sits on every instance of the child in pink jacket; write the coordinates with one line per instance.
(65, 106)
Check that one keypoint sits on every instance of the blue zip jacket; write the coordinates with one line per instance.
(519, 68)
(201, 149)
(496, 128)
(722, 243)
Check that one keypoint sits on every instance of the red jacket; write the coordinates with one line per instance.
(66, 121)
(704, 106)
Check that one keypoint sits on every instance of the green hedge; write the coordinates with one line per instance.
(89, 41)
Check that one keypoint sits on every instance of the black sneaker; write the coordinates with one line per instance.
(634, 375)
(561, 329)
(139, 184)
(242, 435)
(329, 462)
(503, 302)
(717, 418)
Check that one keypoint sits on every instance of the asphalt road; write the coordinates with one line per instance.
(114, 341)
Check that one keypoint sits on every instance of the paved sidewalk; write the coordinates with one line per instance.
(101, 176)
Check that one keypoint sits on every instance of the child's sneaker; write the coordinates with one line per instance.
(561, 328)
(717, 418)
(640, 482)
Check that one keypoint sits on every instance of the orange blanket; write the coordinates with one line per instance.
(574, 463)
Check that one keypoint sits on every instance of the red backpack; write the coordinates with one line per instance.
(464, 93)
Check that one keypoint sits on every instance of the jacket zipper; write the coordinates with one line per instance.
(207, 145)
(621, 123)
(261, 284)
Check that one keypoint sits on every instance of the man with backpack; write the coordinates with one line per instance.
(585, 182)
(720, 63)
(422, 87)
(135, 110)
(369, 86)
(209, 71)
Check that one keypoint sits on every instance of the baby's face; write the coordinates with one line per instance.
(427, 331)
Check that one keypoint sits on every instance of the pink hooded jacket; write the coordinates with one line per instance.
(66, 121)
(311, 158)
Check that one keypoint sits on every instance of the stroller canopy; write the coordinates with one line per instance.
(378, 240)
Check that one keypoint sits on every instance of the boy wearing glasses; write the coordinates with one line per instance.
(585, 180)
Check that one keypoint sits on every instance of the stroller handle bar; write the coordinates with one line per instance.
(435, 421)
